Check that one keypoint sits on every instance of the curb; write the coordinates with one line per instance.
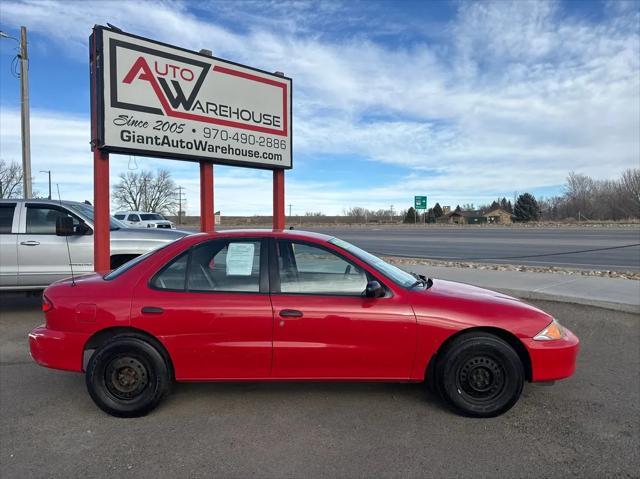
(611, 305)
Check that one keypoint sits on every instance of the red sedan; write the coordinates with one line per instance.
(291, 306)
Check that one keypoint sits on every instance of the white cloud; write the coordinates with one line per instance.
(516, 96)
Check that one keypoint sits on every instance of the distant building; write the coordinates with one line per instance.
(475, 217)
(446, 210)
(462, 218)
(498, 216)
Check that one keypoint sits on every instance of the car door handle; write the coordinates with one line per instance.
(30, 243)
(290, 313)
(152, 310)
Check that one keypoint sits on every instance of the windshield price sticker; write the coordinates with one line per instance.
(159, 100)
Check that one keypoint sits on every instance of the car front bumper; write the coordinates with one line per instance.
(57, 349)
(554, 359)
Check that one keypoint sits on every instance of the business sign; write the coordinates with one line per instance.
(154, 99)
(420, 202)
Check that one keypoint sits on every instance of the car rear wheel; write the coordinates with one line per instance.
(480, 375)
(127, 377)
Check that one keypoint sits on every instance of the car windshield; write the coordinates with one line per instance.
(151, 216)
(87, 211)
(392, 272)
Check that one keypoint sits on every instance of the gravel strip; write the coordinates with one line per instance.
(510, 267)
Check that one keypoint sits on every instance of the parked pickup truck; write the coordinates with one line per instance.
(32, 256)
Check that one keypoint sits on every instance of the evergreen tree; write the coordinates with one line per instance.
(494, 206)
(527, 208)
(437, 211)
(431, 216)
(458, 209)
(410, 217)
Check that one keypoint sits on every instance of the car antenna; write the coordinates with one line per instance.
(66, 238)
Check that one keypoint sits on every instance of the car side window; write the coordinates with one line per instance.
(134, 218)
(308, 269)
(174, 275)
(119, 217)
(41, 219)
(222, 265)
(6, 217)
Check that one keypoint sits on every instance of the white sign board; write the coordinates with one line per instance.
(154, 99)
(240, 259)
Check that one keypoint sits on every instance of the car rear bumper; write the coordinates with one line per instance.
(555, 359)
(57, 349)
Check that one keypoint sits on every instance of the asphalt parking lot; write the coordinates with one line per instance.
(587, 426)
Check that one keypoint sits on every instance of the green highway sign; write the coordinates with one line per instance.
(420, 202)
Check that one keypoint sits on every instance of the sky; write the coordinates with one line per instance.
(461, 101)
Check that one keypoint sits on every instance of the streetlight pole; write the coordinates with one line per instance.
(24, 110)
(49, 173)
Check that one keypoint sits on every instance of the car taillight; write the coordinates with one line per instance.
(47, 305)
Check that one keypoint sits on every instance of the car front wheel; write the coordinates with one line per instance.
(480, 375)
(127, 377)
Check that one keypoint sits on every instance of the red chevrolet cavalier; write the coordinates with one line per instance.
(291, 306)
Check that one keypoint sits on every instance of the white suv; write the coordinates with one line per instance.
(141, 219)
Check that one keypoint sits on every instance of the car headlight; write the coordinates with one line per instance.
(552, 331)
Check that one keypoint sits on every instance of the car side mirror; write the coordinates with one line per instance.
(374, 290)
(64, 226)
(82, 228)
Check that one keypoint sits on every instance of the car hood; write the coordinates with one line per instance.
(452, 289)
(471, 306)
(149, 234)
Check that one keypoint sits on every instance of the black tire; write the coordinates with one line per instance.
(127, 377)
(480, 375)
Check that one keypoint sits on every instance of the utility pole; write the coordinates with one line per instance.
(24, 110)
(49, 173)
(180, 188)
(392, 213)
(24, 103)
(290, 205)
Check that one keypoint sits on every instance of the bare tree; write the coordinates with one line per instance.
(629, 188)
(146, 191)
(10, 179)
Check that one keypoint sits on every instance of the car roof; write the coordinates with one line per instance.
(289, 234)
(137, 213)
(43, 200)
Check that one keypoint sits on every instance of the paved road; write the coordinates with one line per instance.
(586, 426)
(504, 245)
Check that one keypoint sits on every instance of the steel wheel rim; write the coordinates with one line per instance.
(126, 378)
(481, 379)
